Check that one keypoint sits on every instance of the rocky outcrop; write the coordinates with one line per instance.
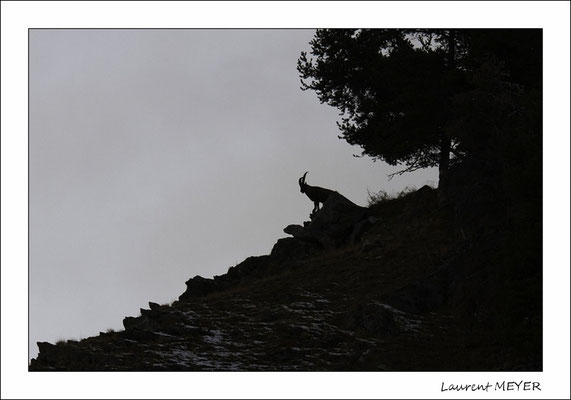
(247, 270)
(285, 254)
(338, 222)
(288, 249)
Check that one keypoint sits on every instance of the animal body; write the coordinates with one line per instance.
(315, 193)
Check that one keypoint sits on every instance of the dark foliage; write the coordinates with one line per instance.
(413, 97)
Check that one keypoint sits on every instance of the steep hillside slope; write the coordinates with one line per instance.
(410, 286)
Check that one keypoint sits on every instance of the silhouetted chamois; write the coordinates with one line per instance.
(315, 193)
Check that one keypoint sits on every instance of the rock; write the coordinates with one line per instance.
(130, 322)
(425, 193)
(338, 222)
(145, 312)
(297, 231)
(46, 348)
(293, 248)
(197, 287)
(249, 267)
(144, 322)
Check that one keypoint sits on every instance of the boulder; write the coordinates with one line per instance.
(130, 322)
(248, 268)
(293, 248)
(338, 222)
(297, 231)
(197, 287)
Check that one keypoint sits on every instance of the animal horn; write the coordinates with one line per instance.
(302, 179)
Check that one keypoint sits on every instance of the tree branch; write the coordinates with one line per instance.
(411, 168)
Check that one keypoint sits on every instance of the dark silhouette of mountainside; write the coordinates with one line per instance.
(406, 284)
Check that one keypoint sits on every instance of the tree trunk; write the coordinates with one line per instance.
(445, 141)
(443, 167)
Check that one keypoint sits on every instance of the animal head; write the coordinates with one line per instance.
(302, 183)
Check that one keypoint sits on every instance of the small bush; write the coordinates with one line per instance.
(406, 191)
(381, 196)
(377, 198)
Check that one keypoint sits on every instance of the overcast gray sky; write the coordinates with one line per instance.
(158, 155)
